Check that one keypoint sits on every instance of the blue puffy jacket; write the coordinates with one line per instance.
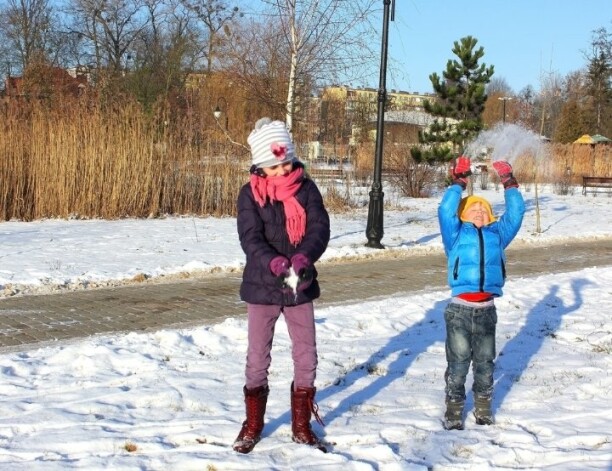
(263, 236)
(476, 257)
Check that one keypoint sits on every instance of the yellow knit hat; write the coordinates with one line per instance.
(469, 201)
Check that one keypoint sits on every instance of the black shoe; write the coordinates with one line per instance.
(453, 424)
(484, 420)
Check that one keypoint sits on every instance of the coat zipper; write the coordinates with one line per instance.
(482, 259)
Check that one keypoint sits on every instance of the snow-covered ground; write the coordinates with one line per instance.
(172, 400)
(41, 256)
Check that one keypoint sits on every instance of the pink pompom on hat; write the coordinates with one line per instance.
(270, 143)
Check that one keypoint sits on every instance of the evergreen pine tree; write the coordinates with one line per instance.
(599, 81)
(570, 125)
(459, 106)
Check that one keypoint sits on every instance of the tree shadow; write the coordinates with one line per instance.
(420, 241)
(530, 203)
(543, 320)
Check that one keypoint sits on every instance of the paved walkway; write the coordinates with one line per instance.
(37, 320)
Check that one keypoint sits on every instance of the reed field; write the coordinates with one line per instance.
(112, 164)
(80, 161)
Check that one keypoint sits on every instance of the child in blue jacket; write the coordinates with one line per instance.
(474, 242)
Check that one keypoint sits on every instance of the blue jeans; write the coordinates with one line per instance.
(470, 338)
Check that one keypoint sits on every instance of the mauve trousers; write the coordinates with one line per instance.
(301, 326)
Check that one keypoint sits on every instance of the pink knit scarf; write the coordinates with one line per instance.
(283, 189)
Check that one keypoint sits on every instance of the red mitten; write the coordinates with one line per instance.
(504, 170)
(279, 266)
(461, 170)
(302, 266)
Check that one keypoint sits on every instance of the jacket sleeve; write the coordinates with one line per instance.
(510, 222)
(447, 216)
(315, 241)
(251, 230)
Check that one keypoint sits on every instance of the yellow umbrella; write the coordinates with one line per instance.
(584, 139)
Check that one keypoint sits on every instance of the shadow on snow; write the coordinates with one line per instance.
(542, 321)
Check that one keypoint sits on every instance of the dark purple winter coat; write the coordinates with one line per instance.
(263, 236)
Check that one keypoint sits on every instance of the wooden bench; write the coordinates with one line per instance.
(327, 175)
(594, 183)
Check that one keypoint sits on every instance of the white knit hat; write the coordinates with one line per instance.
(270, 143)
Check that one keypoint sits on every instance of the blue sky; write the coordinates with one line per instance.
(523, 39)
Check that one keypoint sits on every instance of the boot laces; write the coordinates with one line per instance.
(314, 408)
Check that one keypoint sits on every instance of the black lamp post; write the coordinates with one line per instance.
(219, 111)
(374, 228)
(504, 99)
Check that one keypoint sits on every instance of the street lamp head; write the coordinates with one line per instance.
(220, 110)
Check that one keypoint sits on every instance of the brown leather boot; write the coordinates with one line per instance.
(255, 400)
(302, 405)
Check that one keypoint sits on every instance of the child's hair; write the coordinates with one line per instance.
(469, 201)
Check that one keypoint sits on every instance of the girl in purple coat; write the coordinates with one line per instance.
(284, 229)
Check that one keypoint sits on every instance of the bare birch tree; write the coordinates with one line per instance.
(327, 40)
